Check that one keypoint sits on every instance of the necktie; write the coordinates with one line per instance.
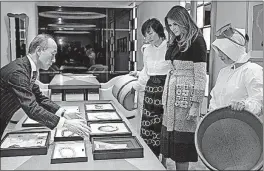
(34, 77)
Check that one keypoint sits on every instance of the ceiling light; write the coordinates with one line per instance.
(72, 14)
(68, 28)
(60, 41)
(72, 32)
(73, 25)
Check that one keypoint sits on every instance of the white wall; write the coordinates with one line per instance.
(28, 8)
(228, 12)
(250, 21)
(147, 10)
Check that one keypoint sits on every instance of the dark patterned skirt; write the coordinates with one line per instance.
(179, 146)
(152, 113)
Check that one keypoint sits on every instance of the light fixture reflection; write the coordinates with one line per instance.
(59, 20)
(72, 32)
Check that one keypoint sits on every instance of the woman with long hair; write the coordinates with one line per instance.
(184, 87)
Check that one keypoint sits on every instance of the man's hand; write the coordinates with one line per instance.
(193, 111)
(73, 115)
(237, 105)
(78, 126)
(133, 73)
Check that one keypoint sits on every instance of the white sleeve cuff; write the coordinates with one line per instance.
(61, 122)
(59, 112)
(253, 106)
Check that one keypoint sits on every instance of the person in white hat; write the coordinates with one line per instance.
(239, 84)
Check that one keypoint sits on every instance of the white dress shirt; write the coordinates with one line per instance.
(154, 60)
(154, 64)
(61, 110)
(244, 83)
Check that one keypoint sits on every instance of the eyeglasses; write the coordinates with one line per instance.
(228, 31)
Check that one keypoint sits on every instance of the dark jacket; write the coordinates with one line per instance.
(19, 90)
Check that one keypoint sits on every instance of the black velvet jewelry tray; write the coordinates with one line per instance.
(59, 137)
(75, 152)
(100, 105)
(18, 143)
(134, 148)
(31, 123)
(102, 116)
(100, 129)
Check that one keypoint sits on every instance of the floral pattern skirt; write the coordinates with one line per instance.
(152, 113)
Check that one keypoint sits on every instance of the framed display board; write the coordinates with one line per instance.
(116, 148)
(25, 143)
(64, 134)
(100, 116)
(109, 129)
(69, 152)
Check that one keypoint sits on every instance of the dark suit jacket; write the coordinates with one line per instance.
(19, 90)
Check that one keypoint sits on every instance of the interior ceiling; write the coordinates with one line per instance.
(96, 3)
(73, 18)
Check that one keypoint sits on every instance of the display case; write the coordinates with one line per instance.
(64, 134)
(25, 144)
(109, 129)
(102, 116)
(104, 148)
(69, 152)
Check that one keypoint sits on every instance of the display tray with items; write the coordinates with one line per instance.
(101, 116)
(71, 108)
(107, 106)
(116, 148)
(32, 123)
(25, 144)
(109, 129)
(63, 134)
(69, 152)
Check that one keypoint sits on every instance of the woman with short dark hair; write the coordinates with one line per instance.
(153, 75)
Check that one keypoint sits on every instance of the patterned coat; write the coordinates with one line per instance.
(184, 85)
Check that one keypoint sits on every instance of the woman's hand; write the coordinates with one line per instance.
(133, 73)
(193, 111)
(237, 105)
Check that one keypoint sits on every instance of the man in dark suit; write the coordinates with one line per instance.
(18, 89)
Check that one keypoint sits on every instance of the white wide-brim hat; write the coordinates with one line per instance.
(234, 51)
